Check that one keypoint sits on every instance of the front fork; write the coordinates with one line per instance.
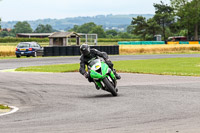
(112, 75)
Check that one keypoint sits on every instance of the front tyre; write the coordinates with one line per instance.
(18, 56)
(110, 87)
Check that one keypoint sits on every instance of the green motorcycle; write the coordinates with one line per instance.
(103, 76)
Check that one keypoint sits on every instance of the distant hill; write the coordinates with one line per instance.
(108, 21)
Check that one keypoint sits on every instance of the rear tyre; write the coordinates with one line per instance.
(110, 87)
(18, 56)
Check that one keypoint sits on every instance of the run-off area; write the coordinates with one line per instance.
(66, 102)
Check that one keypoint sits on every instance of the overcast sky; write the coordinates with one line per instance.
(39, 9)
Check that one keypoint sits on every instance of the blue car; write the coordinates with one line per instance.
(28, 49)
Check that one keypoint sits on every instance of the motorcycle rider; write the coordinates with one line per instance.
(87, 55)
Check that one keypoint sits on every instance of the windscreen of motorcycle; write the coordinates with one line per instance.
(95, 64)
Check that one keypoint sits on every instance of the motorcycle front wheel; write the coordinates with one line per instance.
(110, 87)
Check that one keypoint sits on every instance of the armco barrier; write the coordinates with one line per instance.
(193, 42)
(157, 42)
(184, 42)
(142, 43)
(75, 50)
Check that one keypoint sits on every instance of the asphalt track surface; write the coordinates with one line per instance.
(67, 103)
(15, 63)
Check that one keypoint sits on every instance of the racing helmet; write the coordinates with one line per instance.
(85, 49)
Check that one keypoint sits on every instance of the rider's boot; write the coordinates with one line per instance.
(116, 75)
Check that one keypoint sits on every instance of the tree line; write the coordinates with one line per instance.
(24, 27)
(88, 28)
(91, 27)
(180, 18)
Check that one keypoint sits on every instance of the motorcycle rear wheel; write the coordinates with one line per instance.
(110, 86)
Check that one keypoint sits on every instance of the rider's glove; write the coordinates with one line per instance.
(110, 64)
(86, 75)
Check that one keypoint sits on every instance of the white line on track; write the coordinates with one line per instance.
(13, 110)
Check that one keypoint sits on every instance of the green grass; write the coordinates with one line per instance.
(51, 68)
(170, 66)
(4, 107)
(22, 57)
(9, 57)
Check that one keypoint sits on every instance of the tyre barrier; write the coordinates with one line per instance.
(75, 50)
(142, 43)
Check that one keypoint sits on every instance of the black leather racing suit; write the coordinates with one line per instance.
(84, 60)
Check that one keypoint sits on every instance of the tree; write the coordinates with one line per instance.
(4, 33)
(111, 32)
(98, 30)
(139, 26)
(40, 28)
(90, 28)
(195, 13)
(181, 10)
(22, 27)
(153, 27)
(163, 16)
(49, 28)
(124, 35)
(187, 13)
(129, 29)
(44, 28)
(86, 28)
(75, 28)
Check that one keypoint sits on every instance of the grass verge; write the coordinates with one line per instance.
(51, 68)
(169, 66)
(22, 57)
(9, 57)
(4, 107)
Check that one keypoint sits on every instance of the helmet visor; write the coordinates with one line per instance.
(85, 51)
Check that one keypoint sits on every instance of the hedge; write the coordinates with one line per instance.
(141, 42)
(16, 40)
(7, 40)
(115, 40)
